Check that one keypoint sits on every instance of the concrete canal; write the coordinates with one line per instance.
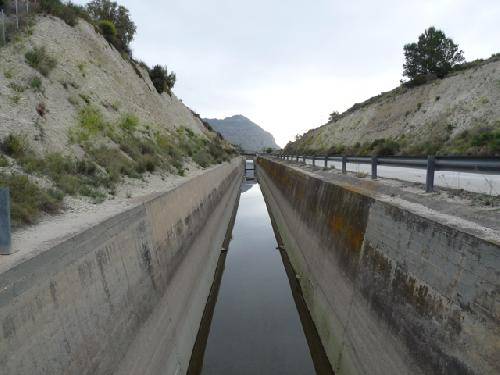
(365, 278)
(256, 321)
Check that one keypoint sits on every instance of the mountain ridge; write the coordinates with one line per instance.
(240, 130)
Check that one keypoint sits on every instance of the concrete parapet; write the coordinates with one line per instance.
(393, 288)
(125, 296)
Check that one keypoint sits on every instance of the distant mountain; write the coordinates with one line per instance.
(239, 130)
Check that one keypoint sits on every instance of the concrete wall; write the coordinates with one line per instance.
(125, 296)
(390, 289)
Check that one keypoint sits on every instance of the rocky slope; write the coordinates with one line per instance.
(78, 121)
(241, 131)
(88, 71)
(436, 115)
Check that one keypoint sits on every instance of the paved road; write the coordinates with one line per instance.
(474, 182)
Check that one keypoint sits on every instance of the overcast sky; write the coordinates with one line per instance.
(288, 64)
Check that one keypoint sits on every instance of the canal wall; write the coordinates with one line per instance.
(125, 296)
(392, 288)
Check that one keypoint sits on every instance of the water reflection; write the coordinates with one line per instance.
(251, 323)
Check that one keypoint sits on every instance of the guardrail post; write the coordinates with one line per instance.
(314, 161)
(4, 221)
(344, 165)
(326, 161)
(431, 169)
(374, 167)
(4, 40)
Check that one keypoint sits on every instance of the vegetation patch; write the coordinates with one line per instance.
(39, 59)
(108, 30)
(36, 84)
(129, 123)
(14, 146)
(139, 149)
(69, 175)
(3, 161)
(8, 73)
(91, 123)
(15, 99)
(162, 80)
(17, 87)
(69, 12)
(28, 200)
(114, 22)
(478, 141)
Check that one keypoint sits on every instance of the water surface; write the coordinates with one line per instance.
(252, 324)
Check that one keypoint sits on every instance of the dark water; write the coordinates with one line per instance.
(255, 321)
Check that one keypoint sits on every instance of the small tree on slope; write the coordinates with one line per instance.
(434, 53)
(162, 81)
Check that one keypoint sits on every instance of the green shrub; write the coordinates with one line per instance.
(71, 176)
(202, 158)
(129, 123)
(115, 163)
(8, 73)
(39, 59)
(36, 84)
(383, 147)
(162, 80)
(108, 30)
(91, 123)
(147, 163)
(14, 146)
(479, 141)
(69, 12)
(28, 200)
(3, 161)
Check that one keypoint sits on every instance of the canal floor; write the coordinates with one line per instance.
(255, 321)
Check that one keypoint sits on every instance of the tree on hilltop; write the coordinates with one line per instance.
(433, 54)
(334, 116)
(106, 10)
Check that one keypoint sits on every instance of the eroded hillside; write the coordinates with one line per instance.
(88, 70)
(456, 115)
(77, 118)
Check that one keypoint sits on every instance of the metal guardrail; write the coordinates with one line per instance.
(431, 164)
(4, 221)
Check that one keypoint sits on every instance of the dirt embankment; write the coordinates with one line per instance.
(81, 123)
(456, 115)
(88, 70)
